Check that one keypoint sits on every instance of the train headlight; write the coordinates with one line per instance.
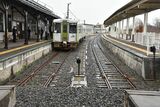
(72, 36)
(64, 42)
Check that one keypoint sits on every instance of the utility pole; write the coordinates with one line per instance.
(68, 10)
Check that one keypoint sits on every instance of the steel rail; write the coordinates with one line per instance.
(124, 76)
(29, 77)
(51, 77)
(101, 69)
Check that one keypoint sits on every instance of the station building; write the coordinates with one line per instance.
(99, 28)
(30, 19)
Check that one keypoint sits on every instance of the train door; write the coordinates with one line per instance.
(72, 32)
(57, 32)
(65, 31)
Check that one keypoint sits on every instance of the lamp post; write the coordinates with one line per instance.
(68, 10)
(153, 49)
(78, 62)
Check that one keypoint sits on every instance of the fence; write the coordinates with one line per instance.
(149, 39)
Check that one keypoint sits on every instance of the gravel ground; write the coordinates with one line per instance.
(68, 97)
(60, 94)
(42, 76)
(69, 68)
(91, 67)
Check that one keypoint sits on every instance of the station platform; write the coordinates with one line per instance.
(131, 46)
(135, 56)
(140, 98)
(19, 46)
(16, 44)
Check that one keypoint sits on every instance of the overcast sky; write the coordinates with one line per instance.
(93, 11)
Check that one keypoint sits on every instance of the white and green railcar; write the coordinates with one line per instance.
(67, 33)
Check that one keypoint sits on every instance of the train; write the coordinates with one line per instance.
(68, 33)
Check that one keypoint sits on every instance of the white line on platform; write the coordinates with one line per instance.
(71, 70)
(83, 65)
(86, 48)
(86, 57)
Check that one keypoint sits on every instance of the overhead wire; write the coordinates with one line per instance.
(73, 14)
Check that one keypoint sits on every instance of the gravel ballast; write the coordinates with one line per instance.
(68, 97)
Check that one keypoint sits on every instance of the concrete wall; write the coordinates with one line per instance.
(142, 65)
(9, 67)
(7, 96)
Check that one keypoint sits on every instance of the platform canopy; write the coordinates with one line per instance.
(38, 7)
(30, 5)
(133, 8)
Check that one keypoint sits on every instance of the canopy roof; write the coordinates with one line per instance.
(133, 8)
(35, 5)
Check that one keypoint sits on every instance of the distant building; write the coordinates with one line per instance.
(89, 28)
(36, 15)
(99, 28)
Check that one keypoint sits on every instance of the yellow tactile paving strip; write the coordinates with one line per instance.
(18, 48)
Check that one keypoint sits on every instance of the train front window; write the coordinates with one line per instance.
(57, 28)
(73, 28)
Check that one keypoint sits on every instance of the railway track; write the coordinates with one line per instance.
(45, 73)
(110, 76)
(51, 77)
(35, 71)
